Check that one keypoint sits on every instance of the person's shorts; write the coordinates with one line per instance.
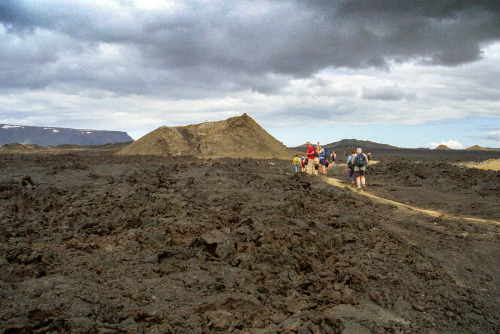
(322, 162)
(327, 164)
(359, 173)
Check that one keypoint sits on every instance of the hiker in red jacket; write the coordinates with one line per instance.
(310, 156)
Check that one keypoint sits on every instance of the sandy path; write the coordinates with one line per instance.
(337, 183)
(493, 164)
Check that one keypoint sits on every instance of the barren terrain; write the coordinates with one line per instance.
(492, 164)
(92, 242)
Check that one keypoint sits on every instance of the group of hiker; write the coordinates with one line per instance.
(317, 160)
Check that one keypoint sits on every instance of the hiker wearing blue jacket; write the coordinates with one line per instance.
(324, 155)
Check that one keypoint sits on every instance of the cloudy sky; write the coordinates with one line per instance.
(407, 73)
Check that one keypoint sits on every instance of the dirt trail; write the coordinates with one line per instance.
(433, 213)
(493, 164)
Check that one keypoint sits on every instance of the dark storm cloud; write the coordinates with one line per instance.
(443, 32)
(201, 48)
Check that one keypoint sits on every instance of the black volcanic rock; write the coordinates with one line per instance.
(50, 136)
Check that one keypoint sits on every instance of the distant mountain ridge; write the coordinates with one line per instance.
(53, 136)
(364, 144)
(347, 144)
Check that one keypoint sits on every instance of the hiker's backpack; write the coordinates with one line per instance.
(326, 153)
(350, 164)
(360, 160)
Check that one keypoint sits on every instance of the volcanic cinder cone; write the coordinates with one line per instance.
(442, 147)
(477, 148)
(14, 147)
(236, 137)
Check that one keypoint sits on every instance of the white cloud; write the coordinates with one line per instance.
(453, 144)
(493, 136)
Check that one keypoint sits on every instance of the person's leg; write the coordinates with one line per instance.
(357, 183)
(351, 176)
(363, 179)
(310, 167)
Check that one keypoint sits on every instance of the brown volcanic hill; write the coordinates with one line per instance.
(442, 147)
(35, 147)
(477, 148)
(236, 137)
(14, 147)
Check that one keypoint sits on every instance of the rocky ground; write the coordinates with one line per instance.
(439, 185)
(100, 243)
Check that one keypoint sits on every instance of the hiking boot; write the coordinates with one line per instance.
(364, 187)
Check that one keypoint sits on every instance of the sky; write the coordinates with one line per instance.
(405, 73)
